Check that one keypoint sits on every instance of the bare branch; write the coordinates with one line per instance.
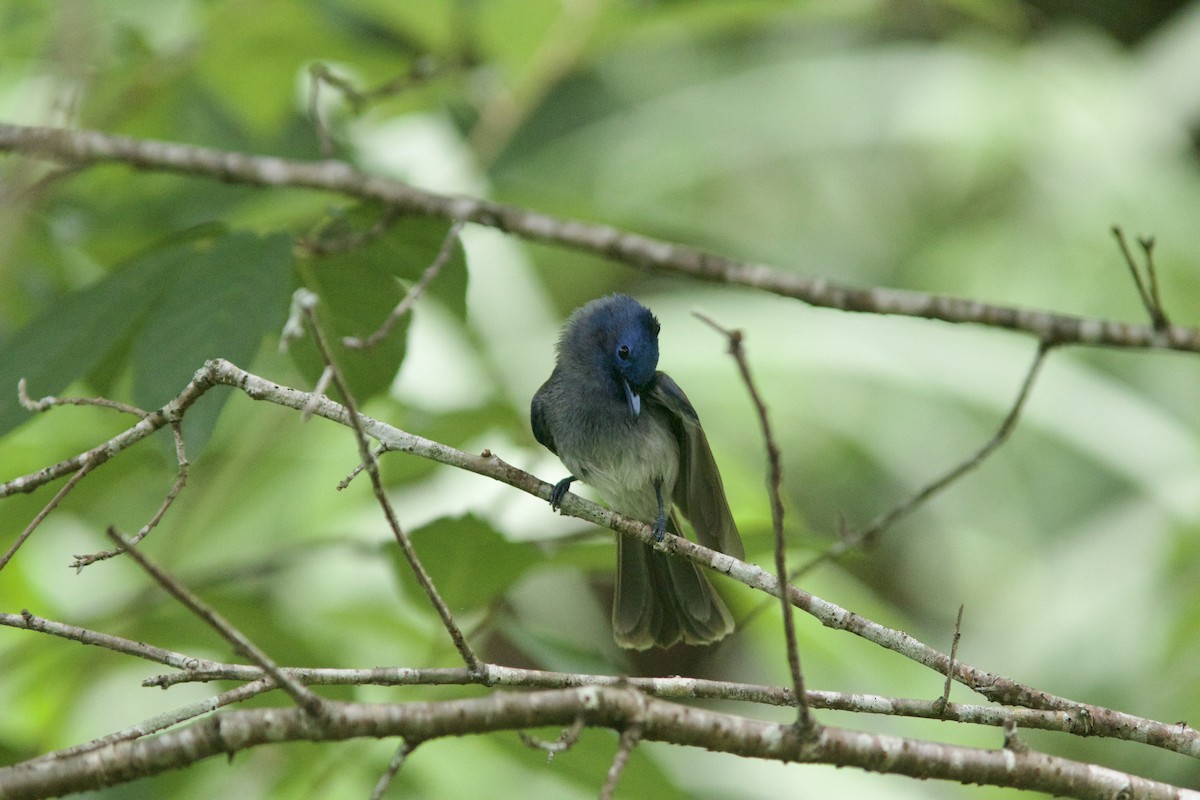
(180, 481)
(309, 702)
(27, 621)
(385, 780)
(85, 147)
(367, 458)
(616, 708)
(1083, 720)
(774, 484)
(851, 539)
(1150, 297)
(994, 687)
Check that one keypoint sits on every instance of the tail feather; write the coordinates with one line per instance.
(660, 600)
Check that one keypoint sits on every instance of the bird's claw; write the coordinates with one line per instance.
(560, 491)
(659, 527)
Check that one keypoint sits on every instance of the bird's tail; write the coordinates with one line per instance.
(661, 600)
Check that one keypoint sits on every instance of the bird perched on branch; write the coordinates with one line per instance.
(629, 431)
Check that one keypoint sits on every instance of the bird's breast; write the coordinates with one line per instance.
(625, 462)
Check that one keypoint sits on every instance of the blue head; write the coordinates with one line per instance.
(617, 337)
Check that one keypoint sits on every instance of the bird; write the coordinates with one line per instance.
(628, 430)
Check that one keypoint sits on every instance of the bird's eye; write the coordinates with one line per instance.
(623, 352)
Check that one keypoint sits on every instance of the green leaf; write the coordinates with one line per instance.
(222, 301)
(360, 287)
(469, 562)
(415, 243)
(79, 331)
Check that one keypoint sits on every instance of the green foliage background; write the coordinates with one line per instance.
(974, 148)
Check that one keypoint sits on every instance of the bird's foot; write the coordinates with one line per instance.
(659, 527)
(559, 491)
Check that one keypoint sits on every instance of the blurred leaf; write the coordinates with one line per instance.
(221, 303)
(78, 330)
(359, 289)
(469, 562)
(415, 243)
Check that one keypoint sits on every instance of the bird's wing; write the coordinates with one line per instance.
(539, 419)
(699, 492)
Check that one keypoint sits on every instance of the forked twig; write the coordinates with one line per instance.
(565, 741)
(181, 476)
(1148, 288)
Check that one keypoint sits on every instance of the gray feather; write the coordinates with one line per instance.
(627, 437)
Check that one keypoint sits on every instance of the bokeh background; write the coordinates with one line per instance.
(975, 148)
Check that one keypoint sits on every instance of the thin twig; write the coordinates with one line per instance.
(775, 482)
(167, 719)
(942, 702)
(49, 402)
(304, 697)
(74, 480)
(1147, 245)
(82, 561)
(565, 741)
(421, 70)
(629, 740)
(345, 482)
(1150, 297)
(28, 621)
(393, 767)
(323, 244)
(411, 296)
(851, 539)
(367, 457)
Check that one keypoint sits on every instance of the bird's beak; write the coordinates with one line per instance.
(635, 400)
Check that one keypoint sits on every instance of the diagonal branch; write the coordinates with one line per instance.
(310, 703)
(91, 147)
(367, 458)
(774, 484)
(220, 372)
(869, 534)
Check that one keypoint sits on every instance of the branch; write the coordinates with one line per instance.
(774, 484)
(620, 709)
(1087, 719)
(91, 147)
(301, 694)
(853, 539)
(368, 460)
